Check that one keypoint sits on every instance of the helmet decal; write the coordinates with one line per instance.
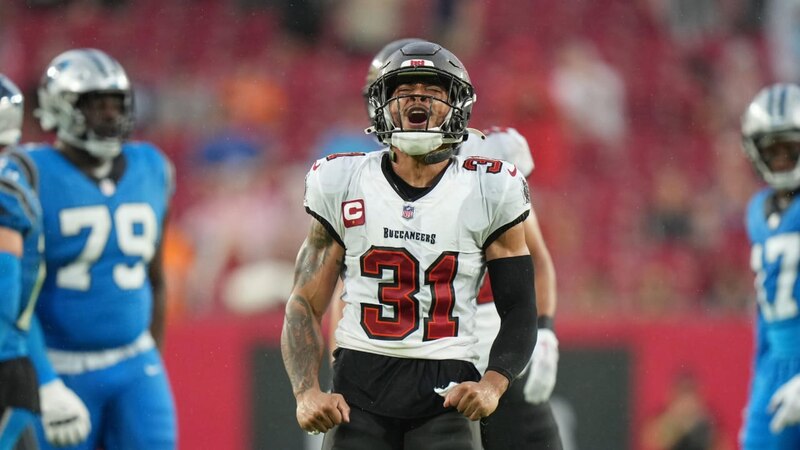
(71, 76)
(377, 64)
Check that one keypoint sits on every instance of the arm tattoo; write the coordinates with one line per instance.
(313, 254)
(301, 339)
(301, 344)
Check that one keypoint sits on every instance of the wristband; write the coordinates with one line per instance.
(545, 322)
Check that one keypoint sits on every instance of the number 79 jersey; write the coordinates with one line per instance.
(99, 240)
(775, 260)
(413, 265)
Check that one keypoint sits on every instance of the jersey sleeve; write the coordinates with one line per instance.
(161, 165)
(16, 209)
(38, 353)
(169, 177)
(508, 200)
(326, 186)
(754, 214)
(509, 145)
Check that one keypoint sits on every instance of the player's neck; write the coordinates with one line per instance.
(415, 172)
(94, 167)
(784, 198)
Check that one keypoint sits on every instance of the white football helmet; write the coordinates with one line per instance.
(71, 75)
(773, 116)
(11, 109)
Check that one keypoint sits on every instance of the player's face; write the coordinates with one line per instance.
(419, 106)
(781, 156)
(103, 113)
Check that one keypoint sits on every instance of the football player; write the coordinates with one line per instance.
(20, 222)
(411, 230)
(104, 201)
(771, 140)
(65, 418)
(523, 417)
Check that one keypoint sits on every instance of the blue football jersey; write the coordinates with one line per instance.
(775, 260)
(99, 239)
(20, 211)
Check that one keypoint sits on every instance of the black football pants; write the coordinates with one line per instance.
(367, 431)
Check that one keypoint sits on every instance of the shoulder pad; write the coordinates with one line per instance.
(19, 158)
(503, 189)
(509, 145)
(329, 172)
(19, 209)
(156, 159)
(327, 183)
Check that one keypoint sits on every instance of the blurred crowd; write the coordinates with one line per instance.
(631, 109)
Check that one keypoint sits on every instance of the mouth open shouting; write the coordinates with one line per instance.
(417, 117)
(419, 106)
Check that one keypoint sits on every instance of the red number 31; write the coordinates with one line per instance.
(400, 294)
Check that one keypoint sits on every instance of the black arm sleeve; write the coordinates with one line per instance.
(515, 300)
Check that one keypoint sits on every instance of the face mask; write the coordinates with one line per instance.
(416, 143)
(103, 149)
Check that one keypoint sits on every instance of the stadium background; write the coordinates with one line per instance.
(631, 109)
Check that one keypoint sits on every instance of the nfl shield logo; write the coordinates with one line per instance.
(408, 212)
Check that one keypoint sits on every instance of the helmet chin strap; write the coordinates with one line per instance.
(104, 169)
(103, 150)
(439, 155)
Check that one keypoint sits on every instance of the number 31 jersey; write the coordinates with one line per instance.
(413, 265)
(99, 240)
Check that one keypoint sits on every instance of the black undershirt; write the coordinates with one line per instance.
(118, 166)
(408, 192)
(777, 203)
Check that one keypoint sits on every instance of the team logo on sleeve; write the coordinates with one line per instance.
(408, 212)
(353, 213)
(512, 171)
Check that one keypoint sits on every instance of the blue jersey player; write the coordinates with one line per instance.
(21, 244)
(20, 225)
(771, 140)
(104, 203)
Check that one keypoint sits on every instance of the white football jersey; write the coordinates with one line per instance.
(501, 143)
(509, 145)
(413, 266)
